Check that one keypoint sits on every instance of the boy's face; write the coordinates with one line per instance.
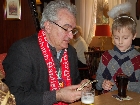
(123, 39)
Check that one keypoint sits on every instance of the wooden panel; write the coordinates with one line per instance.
(13, 30)
(72, 1)
(136, 42)
(138, 9)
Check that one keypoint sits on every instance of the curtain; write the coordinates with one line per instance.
(86, 18)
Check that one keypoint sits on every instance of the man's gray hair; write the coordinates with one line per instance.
(52, 8)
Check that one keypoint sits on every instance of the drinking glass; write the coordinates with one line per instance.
(88, 97)
(122, 81)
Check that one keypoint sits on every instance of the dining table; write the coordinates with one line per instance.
(107, 99)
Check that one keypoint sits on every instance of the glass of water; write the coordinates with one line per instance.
(88, 97)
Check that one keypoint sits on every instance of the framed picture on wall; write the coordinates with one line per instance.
(12, 9)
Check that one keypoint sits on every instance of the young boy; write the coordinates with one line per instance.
(122, 59)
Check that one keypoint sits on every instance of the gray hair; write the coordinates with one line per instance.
(50, 11)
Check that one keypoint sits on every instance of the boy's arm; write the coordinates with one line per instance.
(134, 86)
(99, 76)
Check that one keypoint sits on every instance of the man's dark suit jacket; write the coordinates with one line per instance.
(27, 73)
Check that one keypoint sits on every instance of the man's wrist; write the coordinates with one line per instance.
(58, 95)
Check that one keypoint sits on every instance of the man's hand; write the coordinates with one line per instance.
(87, 87)
(68, 94)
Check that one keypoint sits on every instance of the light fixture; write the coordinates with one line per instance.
(102, 31)
(38, 2)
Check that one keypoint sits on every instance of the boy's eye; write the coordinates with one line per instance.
(115, 37)
(126, 38)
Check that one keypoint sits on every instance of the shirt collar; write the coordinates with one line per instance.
(116, 49)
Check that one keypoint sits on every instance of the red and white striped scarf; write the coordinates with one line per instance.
(53, 78)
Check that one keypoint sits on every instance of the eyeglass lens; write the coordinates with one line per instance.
(74, 31)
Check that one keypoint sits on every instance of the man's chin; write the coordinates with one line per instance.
(64, 46)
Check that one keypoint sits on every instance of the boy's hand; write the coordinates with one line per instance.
(107, 85)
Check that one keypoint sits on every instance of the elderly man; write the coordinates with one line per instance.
(42, 69)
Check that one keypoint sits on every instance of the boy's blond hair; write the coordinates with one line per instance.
(124, 20)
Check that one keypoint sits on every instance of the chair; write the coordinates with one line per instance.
(94, 48)
(84, 73)
(2, 73)
(92, 61)
(7, 97)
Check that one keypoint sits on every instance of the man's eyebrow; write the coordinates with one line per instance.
(68, 25)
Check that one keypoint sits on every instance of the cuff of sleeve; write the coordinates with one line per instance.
(133, 86)
(49, 98)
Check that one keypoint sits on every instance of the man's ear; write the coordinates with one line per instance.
(47, 25)
(134, 36)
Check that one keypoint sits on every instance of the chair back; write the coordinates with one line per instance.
(6, 98)
(92, 61)
(94, 48)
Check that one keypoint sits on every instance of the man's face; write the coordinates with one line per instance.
(58, 37)
(123, 39)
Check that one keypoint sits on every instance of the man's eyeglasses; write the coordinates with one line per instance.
(73, 31)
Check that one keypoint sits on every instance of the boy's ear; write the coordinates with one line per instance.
(134, 36)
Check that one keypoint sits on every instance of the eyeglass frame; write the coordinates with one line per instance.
(66, 29)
